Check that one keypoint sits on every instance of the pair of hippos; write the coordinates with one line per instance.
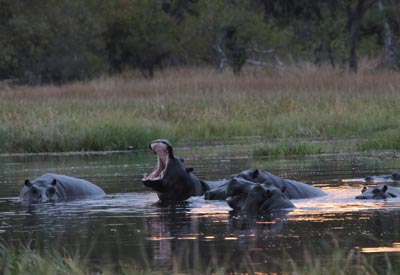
(250, 191)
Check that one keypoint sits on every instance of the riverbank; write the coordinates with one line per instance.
(114, 113)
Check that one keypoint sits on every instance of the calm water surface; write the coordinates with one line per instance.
(127, 226)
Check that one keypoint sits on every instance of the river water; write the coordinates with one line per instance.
(128, 227)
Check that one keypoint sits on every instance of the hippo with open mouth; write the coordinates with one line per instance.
(55, 187)
(171, 179)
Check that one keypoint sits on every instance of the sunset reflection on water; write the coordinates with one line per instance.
(339, 200)
(395, 248)
(128, 225)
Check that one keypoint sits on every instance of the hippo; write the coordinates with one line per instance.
(55, 187)
(237, 191)
(387, 178)
(171, 179)
(265, 199)
(380, 192)
(217, 193)
(294, 189)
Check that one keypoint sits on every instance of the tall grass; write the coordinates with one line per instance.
(26, 260)
(116, 112)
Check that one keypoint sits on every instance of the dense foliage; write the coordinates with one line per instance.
(55, 41)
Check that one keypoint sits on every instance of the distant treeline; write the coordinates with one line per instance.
(56, 41)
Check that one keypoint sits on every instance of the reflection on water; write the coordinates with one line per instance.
(381, 249)
(129, 226)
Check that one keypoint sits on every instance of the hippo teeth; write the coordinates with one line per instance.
(161, 150)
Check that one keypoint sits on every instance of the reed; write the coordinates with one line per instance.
(198, 104)
(26, 260)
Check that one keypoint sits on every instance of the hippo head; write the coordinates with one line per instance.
(170, 178)
(249, 174)
(255, 199)
(376, 193)
(237, 191)
(34, 192)
(265, 198)
(163, 150)
(396, 176)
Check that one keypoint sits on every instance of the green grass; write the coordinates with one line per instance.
(198, 104)
(384, 140)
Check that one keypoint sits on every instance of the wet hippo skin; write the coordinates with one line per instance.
(55, 187)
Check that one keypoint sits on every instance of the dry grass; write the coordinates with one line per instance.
(114, 112)
(307, 80)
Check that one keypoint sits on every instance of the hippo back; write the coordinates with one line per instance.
(300, 190)
(72, 187)
(294, 189)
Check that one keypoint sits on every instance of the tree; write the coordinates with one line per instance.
(228, 32)
(391, 54)
(138, 34)
(48, 42)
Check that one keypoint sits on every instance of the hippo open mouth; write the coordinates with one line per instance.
(162, 150)
(171, 179)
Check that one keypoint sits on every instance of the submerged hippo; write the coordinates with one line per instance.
(380, 192)
(171, 179)
(54, 187)
(294, 189)
(387, 178)
(265, 199)
(237, 191)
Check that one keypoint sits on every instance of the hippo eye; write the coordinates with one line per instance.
(51, 190)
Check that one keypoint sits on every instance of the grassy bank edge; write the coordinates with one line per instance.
(116, 113)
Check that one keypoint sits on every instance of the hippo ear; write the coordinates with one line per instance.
(369, 178)
(189, 169)
(54, 182)
(28, 183)
(255, 173)
(385, 188)
(364, 189)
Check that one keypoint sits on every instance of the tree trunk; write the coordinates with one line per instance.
(355, 35)
(390, 51)
(355, 20)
